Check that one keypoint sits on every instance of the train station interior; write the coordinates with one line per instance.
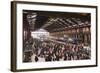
(56, 36)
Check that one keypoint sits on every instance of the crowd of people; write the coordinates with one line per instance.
(44, 51)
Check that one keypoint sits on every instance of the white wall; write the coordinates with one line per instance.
(5, 37)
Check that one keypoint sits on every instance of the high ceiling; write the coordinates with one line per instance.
(54, 21)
